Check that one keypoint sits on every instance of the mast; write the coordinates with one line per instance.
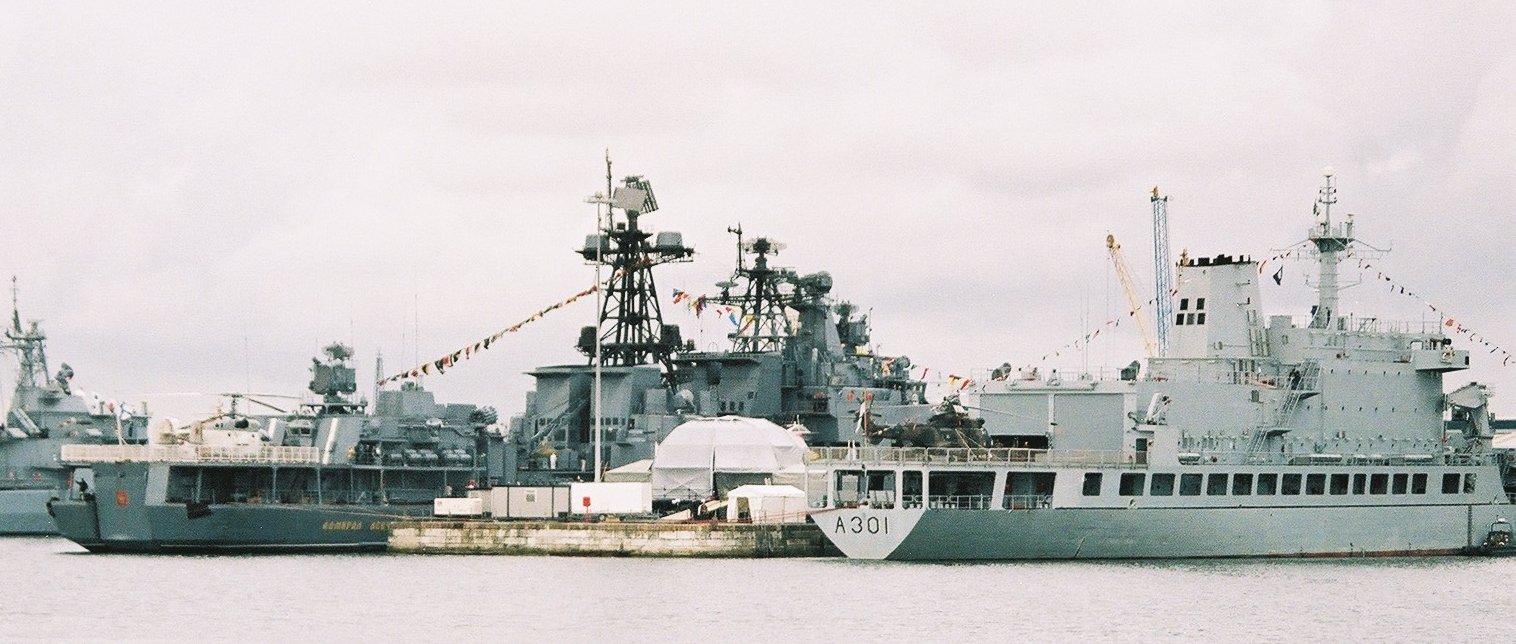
(599, 329)
(631, 323)
(1163, 272)
(1328, 241)
(629, 330)
(30, 345)
(764, 325)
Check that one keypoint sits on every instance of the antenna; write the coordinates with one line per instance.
(737, 230)
(416, 330)
(1329, 241)
(15, 306)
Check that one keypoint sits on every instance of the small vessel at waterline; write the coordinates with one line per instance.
(329, 476)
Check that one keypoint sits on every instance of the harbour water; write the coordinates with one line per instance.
(54, 591)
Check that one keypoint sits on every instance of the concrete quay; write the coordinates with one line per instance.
(611, 538)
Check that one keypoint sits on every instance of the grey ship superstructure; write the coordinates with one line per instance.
(44, 414)
(800, 358)
(329, 476)
(1254, 436)
(797, 356)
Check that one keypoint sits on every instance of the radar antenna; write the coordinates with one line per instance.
(764, 324)
(29, 343)
(632, 331)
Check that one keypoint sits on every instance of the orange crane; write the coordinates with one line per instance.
(1130, 286)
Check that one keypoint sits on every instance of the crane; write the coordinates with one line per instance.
(1130, 286)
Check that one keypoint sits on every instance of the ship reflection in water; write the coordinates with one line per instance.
(73, 597)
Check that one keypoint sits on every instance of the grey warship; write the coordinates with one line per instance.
(46, 413)
(1253, 436)
(331, 475)
(800, 358)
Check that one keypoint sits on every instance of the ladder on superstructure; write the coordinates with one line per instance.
(561, 421)
(1302, 383)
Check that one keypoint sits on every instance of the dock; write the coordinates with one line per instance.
(611, 538)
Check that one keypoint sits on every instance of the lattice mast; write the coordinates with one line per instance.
(765, 324)
(29, 343)
(632, 331)
(1163, 272)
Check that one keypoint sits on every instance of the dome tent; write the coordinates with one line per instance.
(709, 456)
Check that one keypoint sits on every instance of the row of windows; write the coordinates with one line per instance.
(1198, 317)
(1135, 484)
(1181, 319)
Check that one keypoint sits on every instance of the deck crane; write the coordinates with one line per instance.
(1163, 272)
(1130, 286)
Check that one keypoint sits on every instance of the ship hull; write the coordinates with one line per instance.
(99, 526)
(1152, 533)
(24, 512)
(126, 511)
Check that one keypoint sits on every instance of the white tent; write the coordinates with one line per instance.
(696, 454)
(766, 504)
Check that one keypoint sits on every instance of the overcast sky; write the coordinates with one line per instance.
(196, 197)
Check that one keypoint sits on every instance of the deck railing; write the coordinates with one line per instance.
(843, 457)
(871, 455)
(190, 454)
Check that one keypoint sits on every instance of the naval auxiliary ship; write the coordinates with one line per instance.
(1253, 436)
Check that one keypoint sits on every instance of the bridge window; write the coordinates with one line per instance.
(1189, 484)
(910, 489)
(1400, 482)
(1215, 485)
(1468, 483)
(1026, 490)
(1450, 483)
(1290, 485)
(1379, 483)
(1419, 483)
(1315, 484)
(960, 490)
(1360, 482)
(1092, 483)
(881, 489)
(849, 487)
(1339, 484)
(1242, 484)
(1131, 484)
(1163, 485)
(1267, 483)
